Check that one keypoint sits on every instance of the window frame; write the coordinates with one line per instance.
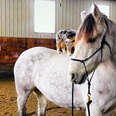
(42, 34)
(104, 6)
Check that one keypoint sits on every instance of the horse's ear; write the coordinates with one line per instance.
(83, 15)
(96, 12)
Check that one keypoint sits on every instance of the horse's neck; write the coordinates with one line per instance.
(112, 27)
(108, 64)
(113, 30)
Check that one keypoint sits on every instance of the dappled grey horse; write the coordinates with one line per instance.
(48, 74)
(45, 72)
(95, 53)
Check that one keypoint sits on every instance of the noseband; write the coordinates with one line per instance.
(100, 49)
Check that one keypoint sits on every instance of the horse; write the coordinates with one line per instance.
(65, 41)
(45, 72)
(94, 61)
(48, 74)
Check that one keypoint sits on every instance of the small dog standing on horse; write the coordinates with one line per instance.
(65, 41)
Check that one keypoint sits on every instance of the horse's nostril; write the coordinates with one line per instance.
(73, 76)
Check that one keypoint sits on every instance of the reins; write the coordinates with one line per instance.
(103, 42)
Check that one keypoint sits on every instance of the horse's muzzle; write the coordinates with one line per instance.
(78, 80)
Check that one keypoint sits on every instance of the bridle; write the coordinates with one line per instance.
(100, 49)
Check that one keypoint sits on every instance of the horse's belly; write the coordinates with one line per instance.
(59, 91)
(55, 91)
(62, 96)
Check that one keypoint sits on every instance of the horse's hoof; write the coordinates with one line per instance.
(22, 114)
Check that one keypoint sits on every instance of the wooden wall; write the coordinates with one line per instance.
(17, 25)
(17, 16)
(11, 48)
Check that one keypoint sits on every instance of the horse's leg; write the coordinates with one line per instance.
(94, 110)
(42, 103)
(21, 101)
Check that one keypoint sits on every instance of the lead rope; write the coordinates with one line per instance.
(89, 93)
(72, 99)
(89, 82)
(89, 85)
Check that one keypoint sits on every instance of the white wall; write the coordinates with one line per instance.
(16, 16)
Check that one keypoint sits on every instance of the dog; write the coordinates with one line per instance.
(65, 41)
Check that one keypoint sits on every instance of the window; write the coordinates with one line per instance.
(44, 16)
(104, 9)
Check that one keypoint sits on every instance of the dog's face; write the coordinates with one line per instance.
(65, 40)
(70, 38)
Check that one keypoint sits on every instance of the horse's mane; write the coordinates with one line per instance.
(86, 27)
(108, 22)
(89, 25)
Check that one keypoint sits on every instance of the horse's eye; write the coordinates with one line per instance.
(91, 40)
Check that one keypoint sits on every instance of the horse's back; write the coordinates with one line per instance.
(34, 54)
(25, 65)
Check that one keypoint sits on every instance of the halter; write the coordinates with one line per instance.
(103, 42)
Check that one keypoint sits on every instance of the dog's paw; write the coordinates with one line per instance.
(69, 53)
(58, 51)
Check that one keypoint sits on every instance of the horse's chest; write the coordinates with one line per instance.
(103, 88)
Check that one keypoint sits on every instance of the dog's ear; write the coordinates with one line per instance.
(70, 34)
(65, 31)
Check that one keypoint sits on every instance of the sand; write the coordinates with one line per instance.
(8, 102)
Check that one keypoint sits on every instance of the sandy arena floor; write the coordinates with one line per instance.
(8, 103)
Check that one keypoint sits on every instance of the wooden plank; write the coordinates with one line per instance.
(3, 18)
(15, 22)
(11, 18)
(7, 18)
(27, 18)
(64, 15)
(12, 47)
(19, 17)
(50, 43)
(0, 17)
(60, 14)
(31, 16)
(23, 18)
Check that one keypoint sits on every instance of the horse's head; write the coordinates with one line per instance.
(92, 45)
